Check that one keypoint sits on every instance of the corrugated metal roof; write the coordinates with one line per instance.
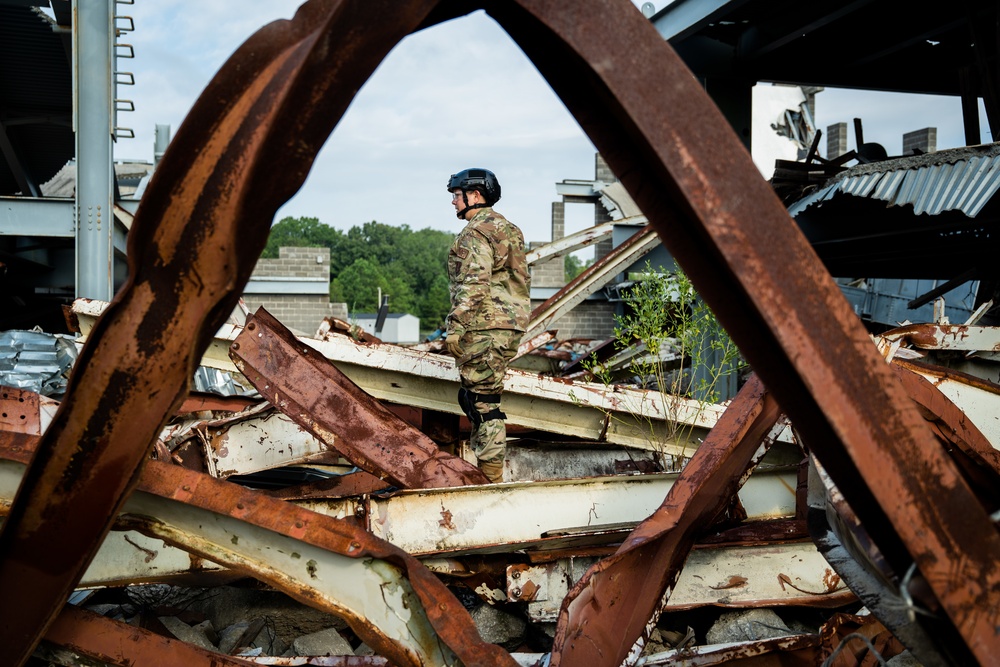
(962, 179)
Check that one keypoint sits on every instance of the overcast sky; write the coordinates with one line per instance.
(418, 120)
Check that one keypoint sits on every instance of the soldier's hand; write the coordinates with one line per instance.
(451, 342)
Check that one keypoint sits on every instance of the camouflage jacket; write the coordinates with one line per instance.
(489, 276)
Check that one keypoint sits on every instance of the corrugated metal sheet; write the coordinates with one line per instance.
(930, 184)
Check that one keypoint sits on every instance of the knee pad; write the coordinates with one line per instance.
(467, 401)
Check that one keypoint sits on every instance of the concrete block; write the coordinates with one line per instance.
(327, 642)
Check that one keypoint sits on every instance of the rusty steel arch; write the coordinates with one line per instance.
(247, 146)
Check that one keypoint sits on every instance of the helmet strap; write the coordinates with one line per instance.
(468, 207)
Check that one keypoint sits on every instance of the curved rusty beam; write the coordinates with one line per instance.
(636, 581)
(243, 150)
(691, 176)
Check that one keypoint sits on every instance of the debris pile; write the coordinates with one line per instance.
(750, 564)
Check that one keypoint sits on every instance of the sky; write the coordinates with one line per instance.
(420, 119)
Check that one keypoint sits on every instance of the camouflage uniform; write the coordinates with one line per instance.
(490, 305)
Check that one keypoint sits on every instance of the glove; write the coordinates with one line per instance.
(451, 342)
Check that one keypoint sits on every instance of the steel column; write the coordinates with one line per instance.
(93, 101)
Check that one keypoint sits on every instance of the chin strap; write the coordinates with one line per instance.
(465, 199)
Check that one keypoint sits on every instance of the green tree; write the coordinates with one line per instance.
(300, 233)
(360, 284)
(574, 266)
(410, 266)
(435, 304)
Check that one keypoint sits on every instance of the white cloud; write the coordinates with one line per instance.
(456, 95)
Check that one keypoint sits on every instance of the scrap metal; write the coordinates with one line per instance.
(312, 392)
(478, 519)
(259, 438)
(934, 336)
(643, 572)
(980, 399)
(249, 142)
(693, 179)
(733, 577)
(638, 418)
(93, 636)
(197, 234)
(389, 599)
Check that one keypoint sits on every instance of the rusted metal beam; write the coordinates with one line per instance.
(949, 421)
(93, 636)
(505, 517)
(606, 617)
(793, 574)
(930, 336)
(243, 150)
(686, 171)
(301, 383)
(20, 411)
(979, 399)
(690, 175)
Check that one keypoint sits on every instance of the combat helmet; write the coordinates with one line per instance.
(483, 180)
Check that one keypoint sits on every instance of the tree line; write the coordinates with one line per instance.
(409, 266)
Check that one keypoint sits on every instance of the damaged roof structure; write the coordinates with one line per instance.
(843, 472)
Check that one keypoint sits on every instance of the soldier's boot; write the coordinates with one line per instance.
(493, 470)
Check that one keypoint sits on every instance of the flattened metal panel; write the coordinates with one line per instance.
(758, 576)
(304, 385)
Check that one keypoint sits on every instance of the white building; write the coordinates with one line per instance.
(400, 328)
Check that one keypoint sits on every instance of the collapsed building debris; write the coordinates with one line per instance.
(864, 432)
(444, 527)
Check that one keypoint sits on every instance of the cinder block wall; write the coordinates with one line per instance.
(300, 312)
(552, 272)
(836, 140)
(590, 319)
(295, 263)
(924, 140)
(603, 173)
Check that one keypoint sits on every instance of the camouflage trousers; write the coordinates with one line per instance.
(485, 355)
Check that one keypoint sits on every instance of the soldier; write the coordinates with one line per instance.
(489, 280)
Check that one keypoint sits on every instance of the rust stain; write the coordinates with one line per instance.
(529, 591)
(446, 517)
(735, 581)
